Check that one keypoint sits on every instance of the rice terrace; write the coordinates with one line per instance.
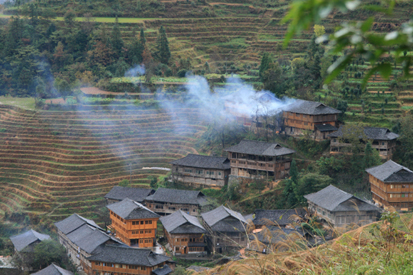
(190, 136)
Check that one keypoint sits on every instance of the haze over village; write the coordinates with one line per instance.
(182, 137)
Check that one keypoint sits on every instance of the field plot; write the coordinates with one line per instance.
(59, 162)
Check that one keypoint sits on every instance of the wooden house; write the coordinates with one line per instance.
(81, 237)
(113, 259)
(118, 193)
(311, 117)
(260, 159)
(53, 270)
(226, 230)
(281, 218)
(184, 233)
(339, 208)
(382, 139)
(201, 171)
(24, 245)
(133, 223)
(166, 201)
(392, 185)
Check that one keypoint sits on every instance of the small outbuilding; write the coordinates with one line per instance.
(340, 208)
(226, 229)
(184, 233)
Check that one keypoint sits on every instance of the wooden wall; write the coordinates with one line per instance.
(142, 229)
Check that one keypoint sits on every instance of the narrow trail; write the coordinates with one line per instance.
(51, 212)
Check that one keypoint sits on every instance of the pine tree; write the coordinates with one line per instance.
(116, 39)
(142, 37)
(162, 46)
(265, 64)
(294, 171)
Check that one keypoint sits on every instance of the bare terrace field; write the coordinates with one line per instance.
(59, 162)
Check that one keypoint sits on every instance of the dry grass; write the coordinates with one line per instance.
(384, 247)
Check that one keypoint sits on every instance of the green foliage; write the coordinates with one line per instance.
(154, 181)
(162, 46)
(124, 183)
(371, 157)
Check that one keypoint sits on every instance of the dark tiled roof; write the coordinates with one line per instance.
(334, 199)
(127, 255)
(310, 108)
(73, 222)
(23, 240)
(222, 219)
(391, 171)
(281, 217)
(261, 148)
(325, 127)
(137, 194)
(89, 238)
(162, 270)
(207, 162)
(178, 196)
(180, 223)
(131, 210)
(371, 133)
(53, 270)
(275, 234)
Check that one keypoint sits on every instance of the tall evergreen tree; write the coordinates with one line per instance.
(116, 39)
(294, 172)
(162, 46)
(142, 38)
(266, 60)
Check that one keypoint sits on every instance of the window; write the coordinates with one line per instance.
(148, 231)
(146, 222)
(219, 173)
(141, 231)
(171, 208)
(141, 222)
(391, 186)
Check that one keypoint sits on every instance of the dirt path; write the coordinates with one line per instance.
(230, 4)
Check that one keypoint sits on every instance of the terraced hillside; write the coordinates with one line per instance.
(59, 162)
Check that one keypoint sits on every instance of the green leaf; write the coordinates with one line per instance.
(385, 70)
(367, 24)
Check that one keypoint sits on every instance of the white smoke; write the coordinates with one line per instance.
(136, 71)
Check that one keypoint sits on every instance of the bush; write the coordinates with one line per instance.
(181, 73)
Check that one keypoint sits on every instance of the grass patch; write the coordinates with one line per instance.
(21, 102)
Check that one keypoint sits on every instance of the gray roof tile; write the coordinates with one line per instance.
(73, 222)
(371, 133)
(180, 222)
(131, 210)
(261, 148)
(162, 270)
(137, 194)
(127, 255)
(391, 171)
(21, 241)
(310, 108)
(89, 238)
(325, 127)
(334, 199)
(274, 234)
(178, 196)
(222, 219)
(207, 162)
(53, 270)
(281, 217)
